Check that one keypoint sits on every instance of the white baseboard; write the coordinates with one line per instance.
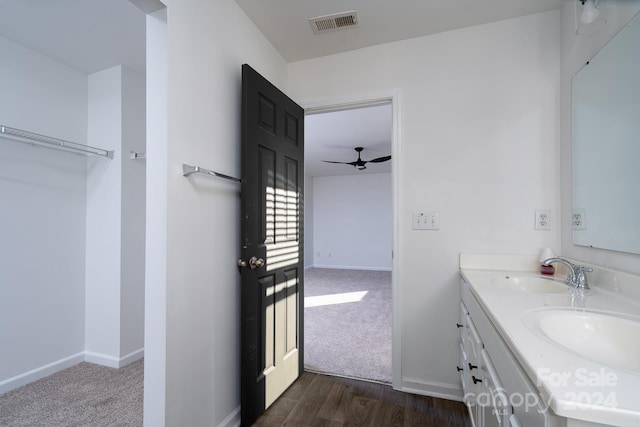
(111, 361)
(131, 357)
(432, 389)
(53, 367)
(40, 372)
(232, 420)
(351, 267)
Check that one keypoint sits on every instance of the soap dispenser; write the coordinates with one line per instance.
(546, 269)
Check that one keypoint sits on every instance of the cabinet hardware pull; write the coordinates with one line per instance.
(472, 366)
(475, 380)
(458, 325)
(459, 368)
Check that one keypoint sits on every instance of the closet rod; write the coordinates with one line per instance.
(47, 141)
(188, 170)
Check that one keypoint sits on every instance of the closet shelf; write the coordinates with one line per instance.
(47, 141)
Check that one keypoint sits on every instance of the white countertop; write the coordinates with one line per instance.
(572, 385)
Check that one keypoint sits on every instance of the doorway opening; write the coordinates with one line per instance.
(349, 239)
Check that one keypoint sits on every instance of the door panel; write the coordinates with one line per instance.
(272, 292)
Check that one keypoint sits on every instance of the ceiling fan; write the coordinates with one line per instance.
(360, 164)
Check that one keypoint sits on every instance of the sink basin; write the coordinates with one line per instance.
(530, 284)
(605, 338)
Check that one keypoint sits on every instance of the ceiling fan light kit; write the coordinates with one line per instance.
(359, 163)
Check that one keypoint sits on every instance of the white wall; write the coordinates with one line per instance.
(155, 323)
(308, 221)
(115, 219)
(576, 50)
(132, 253)
(207, 44)
(102, 304)
(479, 140)
(42, 95)
(353, 217)
(42, 222)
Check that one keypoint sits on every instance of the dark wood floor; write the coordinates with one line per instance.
(321, 400)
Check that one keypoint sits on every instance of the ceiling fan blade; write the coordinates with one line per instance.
(380, 159)
(342, 163)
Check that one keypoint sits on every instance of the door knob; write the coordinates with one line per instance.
(255, 262)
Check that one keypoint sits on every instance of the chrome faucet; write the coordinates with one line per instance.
(576, 274)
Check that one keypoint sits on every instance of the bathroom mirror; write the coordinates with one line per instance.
(606, 146)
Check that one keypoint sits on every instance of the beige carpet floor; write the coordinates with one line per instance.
(347, 324)
(83, 395)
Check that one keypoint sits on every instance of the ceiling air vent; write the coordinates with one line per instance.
(337, 21)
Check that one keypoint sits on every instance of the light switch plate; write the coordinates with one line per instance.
(426, 221)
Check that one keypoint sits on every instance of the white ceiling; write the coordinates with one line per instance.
(88, 35)
(285, 22)
(93, 35)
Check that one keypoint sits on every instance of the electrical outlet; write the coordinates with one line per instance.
(426, 221)
(543, 220)
(579, 220)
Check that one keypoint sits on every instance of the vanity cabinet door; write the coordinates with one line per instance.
(473, 346)
(493, 401)
(463, 361)
(513, 421)
(469, 364)
(463, 370)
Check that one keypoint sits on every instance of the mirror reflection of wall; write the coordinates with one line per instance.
(606, 146)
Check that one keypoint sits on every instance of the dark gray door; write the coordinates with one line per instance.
(272, 279)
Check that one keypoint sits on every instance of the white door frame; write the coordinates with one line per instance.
(368, 99)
